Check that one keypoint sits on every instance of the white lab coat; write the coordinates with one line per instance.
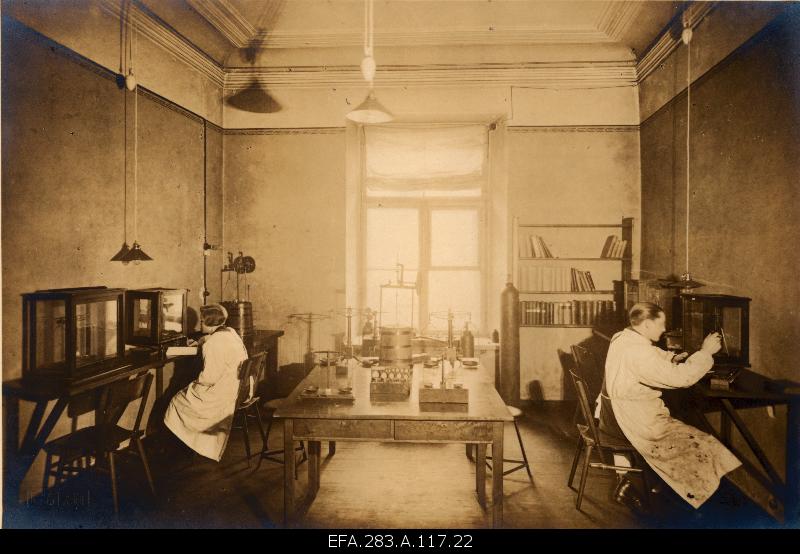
(201, 414)
(687, 459)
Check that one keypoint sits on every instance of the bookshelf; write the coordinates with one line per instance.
(565, 273)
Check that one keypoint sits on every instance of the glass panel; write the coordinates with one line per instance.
(51, 332)
(142, 317)
(392, 237)
(459, 291)
(96, 332)
(172, 313)
(397, 303)
(694, 334)
(731, 330)
(454, 237)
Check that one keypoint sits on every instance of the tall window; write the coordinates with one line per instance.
(423, 197)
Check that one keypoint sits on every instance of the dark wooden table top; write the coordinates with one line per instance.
(749, 385)
(485, 403)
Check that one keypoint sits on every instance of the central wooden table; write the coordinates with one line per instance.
(314, 420)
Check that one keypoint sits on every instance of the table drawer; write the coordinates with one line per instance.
(455, 431)
(344, 428)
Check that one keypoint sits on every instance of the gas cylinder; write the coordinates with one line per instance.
(508, 387)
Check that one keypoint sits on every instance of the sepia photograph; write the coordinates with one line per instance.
(424, 270)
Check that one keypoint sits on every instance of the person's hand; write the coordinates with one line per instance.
(678, 358)
(712, 343)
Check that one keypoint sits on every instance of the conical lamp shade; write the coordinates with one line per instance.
(120, 256)
(370, 111)
(254, 99)
(136, 254)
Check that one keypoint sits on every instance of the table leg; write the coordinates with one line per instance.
(497, 475)
(792, 503)
(314, 452)
(480, 474)
(725, 428)
(288, 471)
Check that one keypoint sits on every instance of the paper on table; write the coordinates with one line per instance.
(181, 351)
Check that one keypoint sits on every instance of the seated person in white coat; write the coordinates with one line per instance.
(690, 461)
(201, 414)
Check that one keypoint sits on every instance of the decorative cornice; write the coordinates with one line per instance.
(565, 75)
(573, 129)
(225, 19)
(169, 40)
(617, 18)
(287, 131)
(668, 42)
(431, 37)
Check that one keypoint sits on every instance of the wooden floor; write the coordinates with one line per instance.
(365, 485)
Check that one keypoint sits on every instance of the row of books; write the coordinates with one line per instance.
(614, 247)
(555, 279)
(534, 247)
(574, 312)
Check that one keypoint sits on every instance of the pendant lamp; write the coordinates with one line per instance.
(124, 79)
(686, 283)
(135, 254)
(370, 110)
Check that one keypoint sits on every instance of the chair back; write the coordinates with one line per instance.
(590, 371)
(116, 397)
(581, 391)
(251, 372)
(608, 421)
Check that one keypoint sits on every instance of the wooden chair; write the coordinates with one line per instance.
(103, 440)
(591, 371)
(251, 372)
(591, 438)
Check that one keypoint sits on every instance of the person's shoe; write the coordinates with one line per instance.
(628, 496)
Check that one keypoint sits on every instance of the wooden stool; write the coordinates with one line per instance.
(523, 463)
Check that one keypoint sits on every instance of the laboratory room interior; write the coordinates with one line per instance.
(381, 264)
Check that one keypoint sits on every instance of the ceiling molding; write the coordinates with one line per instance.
(226, 20)
(169, 40)
(617, 18)
(534, 75)
(667, 43)
(431, 37)
(573, 128)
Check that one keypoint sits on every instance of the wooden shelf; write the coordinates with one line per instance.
(578, 259)
(559, 325)
(572, 226)
(566, 292)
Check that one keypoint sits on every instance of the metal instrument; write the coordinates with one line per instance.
(309, 318)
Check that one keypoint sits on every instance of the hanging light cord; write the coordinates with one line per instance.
(125, 172)
(688, 135)
(135, 152)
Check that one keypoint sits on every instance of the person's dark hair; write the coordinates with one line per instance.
(644, 310)
(213, 315)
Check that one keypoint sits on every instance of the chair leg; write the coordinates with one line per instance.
(260, 428)
(246, 437)
(575, 462)
(522, 449)
(113, 471)
(584, 474)
(48, 468)
(143, 456)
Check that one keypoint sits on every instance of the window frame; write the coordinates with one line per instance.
(425, 206)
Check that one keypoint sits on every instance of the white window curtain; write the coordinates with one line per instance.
(445, 158)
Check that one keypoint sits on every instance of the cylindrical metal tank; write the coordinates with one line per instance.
(508, 387)
(240, 318)
(396, 346)
(467, 343)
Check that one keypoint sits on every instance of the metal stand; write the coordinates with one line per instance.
(309, 318)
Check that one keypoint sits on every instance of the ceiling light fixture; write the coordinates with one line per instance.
(370, 110)
(685, 282)
(135, 254)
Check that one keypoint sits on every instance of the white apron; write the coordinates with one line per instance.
(687, 459)
(201, 414)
